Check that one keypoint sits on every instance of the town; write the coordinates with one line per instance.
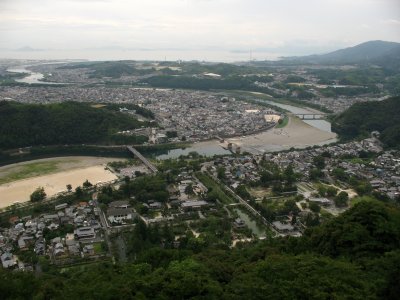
(250, 196)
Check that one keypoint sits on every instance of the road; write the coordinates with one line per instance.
(250, 208)
(103, 221)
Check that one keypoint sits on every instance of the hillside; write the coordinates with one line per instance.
(376, 52)
(113, 69)
(363, 118)
(61, 123)
(354, 256)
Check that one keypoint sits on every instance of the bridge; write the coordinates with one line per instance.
(311, 116)
(144, 160)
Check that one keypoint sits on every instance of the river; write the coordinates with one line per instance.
(319, 134)
(32, 78)
(207, 148)
(320, 124)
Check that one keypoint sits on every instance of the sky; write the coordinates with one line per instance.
(215, 30)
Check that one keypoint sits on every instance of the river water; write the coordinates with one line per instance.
(208, 148)
(32, 78)
(211, 148)
(320, 124)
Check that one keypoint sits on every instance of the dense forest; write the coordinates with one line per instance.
(196, 83)
(363, 118)
(354, 256)
(62, 123)
(382, 53)
(113, 69)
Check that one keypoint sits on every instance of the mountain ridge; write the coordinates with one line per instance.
(378, 52)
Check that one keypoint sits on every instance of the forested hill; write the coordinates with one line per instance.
(61, 123)
(385, 54)
(363, 118)
(354, 256)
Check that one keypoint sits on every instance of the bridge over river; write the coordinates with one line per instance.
(143, 159)
(311, 116)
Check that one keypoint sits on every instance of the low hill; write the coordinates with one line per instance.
(113, 69)
(376, 52)
(61, 123)
(363, 118)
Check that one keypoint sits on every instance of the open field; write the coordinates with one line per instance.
(53, 174)
(26, 171)
(296, 134)
(259, 192)
(284, 123)
(45, 166)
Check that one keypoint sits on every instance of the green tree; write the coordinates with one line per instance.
(314, 207)
(341, 199)
(363, 188)
(319, 162)
(78, 192)
(38, 195)
(340, 174)
(87, 184)
(189, 189)
(242, 192)
(221, 173)
(315, 174)
(331, 191)
(289, 174)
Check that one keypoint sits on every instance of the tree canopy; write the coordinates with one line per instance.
(61, 123)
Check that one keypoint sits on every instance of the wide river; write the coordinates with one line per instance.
(210, 148)
(320, 124)
(32, 78)
(207, 148)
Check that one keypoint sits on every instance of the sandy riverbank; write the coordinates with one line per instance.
(70, 170)
(296, 134)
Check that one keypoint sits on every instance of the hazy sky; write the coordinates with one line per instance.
(192, 29)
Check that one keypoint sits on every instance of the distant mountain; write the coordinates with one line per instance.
(376, 52)
(28, 49)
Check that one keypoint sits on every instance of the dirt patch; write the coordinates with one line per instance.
(259, 192)
(69, 170)
(46, 166)
(296, 134)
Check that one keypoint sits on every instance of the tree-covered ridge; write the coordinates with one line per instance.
(60, 123)
(225, 83)
(363, 118)
(367, 266)
(113, 69)
(382, 53)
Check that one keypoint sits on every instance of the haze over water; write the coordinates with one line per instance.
(144, 54)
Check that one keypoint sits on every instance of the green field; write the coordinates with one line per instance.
(284, 122)
(29, 170)
(215, 187)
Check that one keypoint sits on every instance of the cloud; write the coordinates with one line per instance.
(392, 22)
(274, 25)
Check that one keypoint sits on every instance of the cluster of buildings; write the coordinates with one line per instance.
(382, 172)
(194, 115)
(342, 103)
(66, 234)
(236, 169)
(199, 115)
